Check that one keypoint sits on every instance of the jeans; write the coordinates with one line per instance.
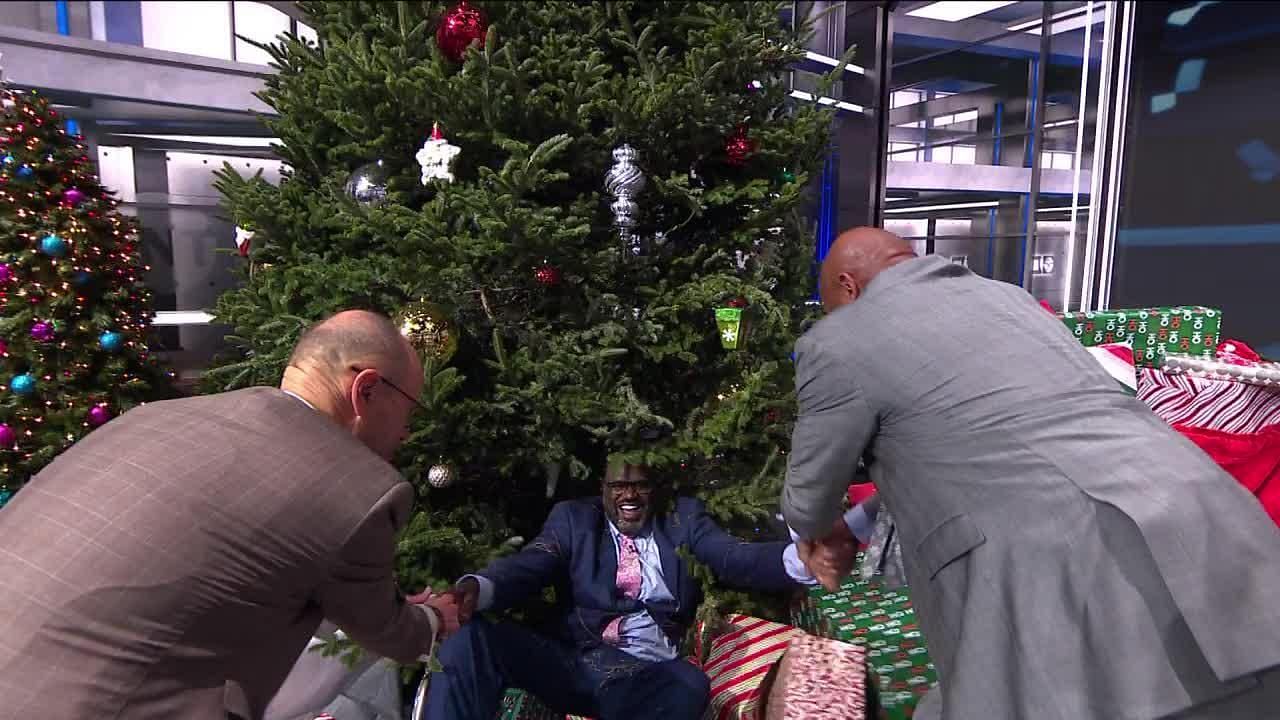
(483, 659)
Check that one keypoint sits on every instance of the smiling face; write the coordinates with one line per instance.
(628, 495)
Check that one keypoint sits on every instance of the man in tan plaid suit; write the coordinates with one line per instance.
(174, 563)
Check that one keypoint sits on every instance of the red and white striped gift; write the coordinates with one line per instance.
(1223, 405)
(738, 663)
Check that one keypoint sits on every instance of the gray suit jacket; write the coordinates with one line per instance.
(174, 562)
(1070, 555)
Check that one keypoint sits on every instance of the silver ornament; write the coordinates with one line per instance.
(368, 184)
(441, 476)
(624, 182)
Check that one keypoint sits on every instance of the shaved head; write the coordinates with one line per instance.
(856, 257)
(356, 368)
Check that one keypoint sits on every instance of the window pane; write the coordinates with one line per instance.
(260, 23)
(964, 154)
(195, 28)
(942, 154)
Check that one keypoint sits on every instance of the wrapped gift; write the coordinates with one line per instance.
(1117, 360)
(520, 705)
(884, 622)
(1229, 367)
(738, 663)
(820, 679)
(1190, 330)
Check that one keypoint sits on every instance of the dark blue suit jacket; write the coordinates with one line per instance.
(575, 553)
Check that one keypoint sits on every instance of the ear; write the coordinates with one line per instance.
(361, 392)
(849, 285)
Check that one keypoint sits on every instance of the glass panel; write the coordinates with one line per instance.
(968, 93)
(258, 22)
(193, 27)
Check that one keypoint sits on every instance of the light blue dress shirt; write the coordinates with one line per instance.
(638, 633)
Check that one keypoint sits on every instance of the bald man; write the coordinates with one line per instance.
(175, 562)
(1070, 556)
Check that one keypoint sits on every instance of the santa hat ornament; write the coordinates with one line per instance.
(244, 238)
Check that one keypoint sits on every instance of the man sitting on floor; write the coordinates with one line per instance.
(629, 599)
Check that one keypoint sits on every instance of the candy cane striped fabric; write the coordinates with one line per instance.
(738, 663)
(820, 679)
(1222, 405)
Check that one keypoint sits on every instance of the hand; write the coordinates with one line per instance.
(444, 605)
(830, 559)
(467, 594)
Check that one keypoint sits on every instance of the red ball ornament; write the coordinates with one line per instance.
(738, 302)
(547, 276)
(460, 26)
(739, 147)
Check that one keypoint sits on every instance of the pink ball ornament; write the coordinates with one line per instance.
(99, 415)
(42, 331)
(4, 346)
(72, 197)
(7, 436)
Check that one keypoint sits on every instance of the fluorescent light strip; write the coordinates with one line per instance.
(828, 60)
(1033, 26)
(955, 10)
(1061, 123)
(802, 95)
(952, 206)
(182, 317)
(207, 139)
(1077, 163)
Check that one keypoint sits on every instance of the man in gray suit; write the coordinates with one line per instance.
(1070, 556)
(174, 563)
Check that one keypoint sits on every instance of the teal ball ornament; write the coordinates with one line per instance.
(111, 341)
(53, 246)
(23, 384)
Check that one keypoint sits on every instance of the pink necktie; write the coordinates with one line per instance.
(628, 581)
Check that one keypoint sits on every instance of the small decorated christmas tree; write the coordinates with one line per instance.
(74, 314)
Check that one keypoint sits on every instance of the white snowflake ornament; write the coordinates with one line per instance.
(435, 157)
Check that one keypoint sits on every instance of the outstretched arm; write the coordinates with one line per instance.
(833, 428)
(748, 566)
(509, 580)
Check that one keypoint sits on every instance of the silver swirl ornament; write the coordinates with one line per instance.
(624, 182)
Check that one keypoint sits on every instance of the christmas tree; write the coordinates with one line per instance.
(591, 217)
(74, 315)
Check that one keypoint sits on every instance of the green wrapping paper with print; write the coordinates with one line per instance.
(731, 323)
(520, 705)
(882, 620)
(1187, 330)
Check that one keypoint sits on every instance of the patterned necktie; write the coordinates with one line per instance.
(628, 581)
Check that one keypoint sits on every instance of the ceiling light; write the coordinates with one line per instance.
(952, 206)
(1064, 21)
(181, 317)
(955, 11)
(207, 139)
(802, 95)
(828, 60)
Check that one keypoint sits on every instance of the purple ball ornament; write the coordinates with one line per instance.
(99, 415)
(6, 273)
(42, 331)
(4, 346)
(8, 438)
(72, 197)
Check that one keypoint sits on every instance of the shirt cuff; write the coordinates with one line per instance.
(485, 600)
(857, 519)
(433, 621)
(796, 569)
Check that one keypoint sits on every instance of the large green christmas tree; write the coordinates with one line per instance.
(74, 313)
(583, 307)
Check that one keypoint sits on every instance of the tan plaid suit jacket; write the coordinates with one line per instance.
(174, 563)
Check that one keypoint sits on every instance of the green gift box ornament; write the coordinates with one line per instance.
(732, 324)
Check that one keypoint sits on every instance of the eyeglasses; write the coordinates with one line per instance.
(640, 487)
(395, 387)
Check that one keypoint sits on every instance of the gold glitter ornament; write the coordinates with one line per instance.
(428, 330)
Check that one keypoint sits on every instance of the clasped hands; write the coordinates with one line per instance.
(454, 606)
(830, 558)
